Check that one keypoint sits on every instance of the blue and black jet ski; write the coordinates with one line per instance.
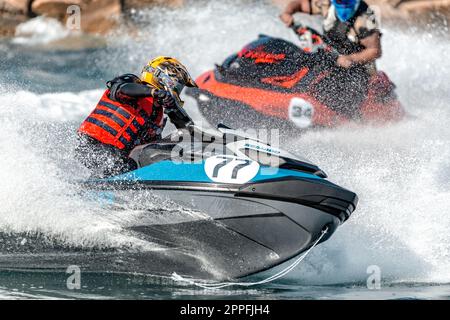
(258, 205)
(209, 205)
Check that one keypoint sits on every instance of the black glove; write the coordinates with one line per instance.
(164, 99)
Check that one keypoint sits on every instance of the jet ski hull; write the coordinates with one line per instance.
(199, 214)
(240, 236)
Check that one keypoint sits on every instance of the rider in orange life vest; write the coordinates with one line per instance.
(351, 27)
(131, 112)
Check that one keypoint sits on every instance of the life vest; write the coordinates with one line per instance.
(123, 125)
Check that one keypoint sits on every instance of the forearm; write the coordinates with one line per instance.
(134, 90)
(296, 6)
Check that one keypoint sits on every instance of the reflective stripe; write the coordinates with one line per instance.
(110, 115)
(126, 136)
(144, 114)
(133, 128)
(131, 134)
(120, 110)
(136, 124)
(102, 125)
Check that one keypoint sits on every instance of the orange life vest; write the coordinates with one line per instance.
(123, 125)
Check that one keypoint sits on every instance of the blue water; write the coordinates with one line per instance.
(401, 172)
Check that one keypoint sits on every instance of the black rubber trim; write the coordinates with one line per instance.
(319, 194)
(161, 185)
(123, 112)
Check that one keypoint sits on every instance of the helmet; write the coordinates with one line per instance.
(169, 74)
(346, 9)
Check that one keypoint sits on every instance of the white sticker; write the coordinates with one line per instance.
(301, 112)
(231, 169)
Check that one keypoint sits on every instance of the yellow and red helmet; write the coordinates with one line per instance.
(167, 73)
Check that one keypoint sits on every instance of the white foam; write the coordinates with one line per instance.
(40, 30)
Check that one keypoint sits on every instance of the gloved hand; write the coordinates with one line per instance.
(287, 18)
(164, 99)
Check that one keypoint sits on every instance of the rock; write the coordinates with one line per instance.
(17, 7)
(102, 16)
(407, 11)
(97, 16)
(139, 4)
(424, 7)
(54, 8)
(12, 13)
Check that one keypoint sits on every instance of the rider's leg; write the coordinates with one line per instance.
(343, 90)
(101, 159)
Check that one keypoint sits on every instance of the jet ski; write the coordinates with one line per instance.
(278, 83)
(203, 204)
(256, 205)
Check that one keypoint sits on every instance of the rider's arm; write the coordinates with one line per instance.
(369, 35)
(179, 119)
(298, 6)
(134, 90)
(175, 112)
(372, 50)
(294, 7)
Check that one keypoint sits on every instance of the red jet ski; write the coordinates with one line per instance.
(275, 82)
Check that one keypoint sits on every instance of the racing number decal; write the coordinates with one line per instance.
(220, 165)
(239, 167)
(230, 169)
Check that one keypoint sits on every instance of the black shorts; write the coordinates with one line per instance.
(344, 90)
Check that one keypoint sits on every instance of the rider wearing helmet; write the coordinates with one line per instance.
(350, 27)
(131, 112)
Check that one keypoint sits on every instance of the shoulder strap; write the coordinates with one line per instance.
(363, 7)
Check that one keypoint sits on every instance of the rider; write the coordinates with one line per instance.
(350, 27)
(131, 112)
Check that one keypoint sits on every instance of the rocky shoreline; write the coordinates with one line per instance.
(102, 16)
(98, 16)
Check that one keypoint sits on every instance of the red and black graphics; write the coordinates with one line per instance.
(269, 63)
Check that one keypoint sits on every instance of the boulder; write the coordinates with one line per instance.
(20, 7)
(97, 16)
(101, 16)
(409, 11)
